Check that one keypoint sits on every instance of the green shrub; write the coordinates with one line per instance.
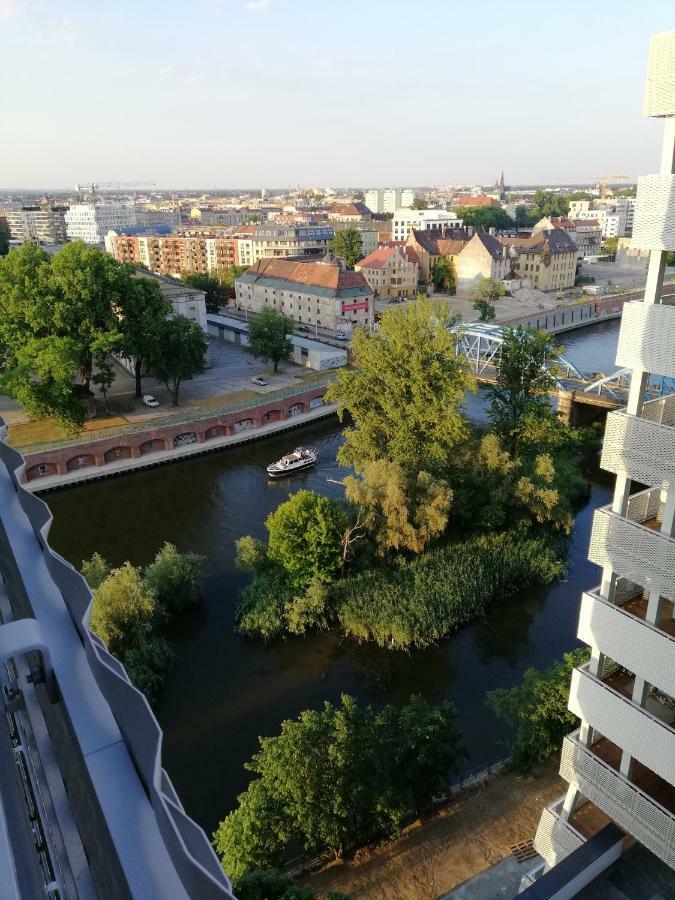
(175, 578)
(538, 709)
(426, 599)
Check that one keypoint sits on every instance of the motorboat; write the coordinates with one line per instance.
(301, 458)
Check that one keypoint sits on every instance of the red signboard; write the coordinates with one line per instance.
(353, 307)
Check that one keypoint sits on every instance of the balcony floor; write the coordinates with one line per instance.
(654, 524)
(587, 819)
(637, 606)
(623, 683)
(648, 781)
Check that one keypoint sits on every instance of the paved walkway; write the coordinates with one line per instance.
(500, 882)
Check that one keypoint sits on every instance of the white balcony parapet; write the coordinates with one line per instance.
(654, 227)
(630, 549)
(661, 411)
(647, 338)
(647, 738)
(555, 838)
(631, 808)
(660, 86)
(641, 447)
(641, 647)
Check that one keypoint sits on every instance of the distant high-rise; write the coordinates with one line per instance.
(90, 222)
(388, 200)
(43, 224)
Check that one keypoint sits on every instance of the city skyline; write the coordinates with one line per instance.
(280, 93)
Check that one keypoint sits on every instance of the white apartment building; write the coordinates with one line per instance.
(620, 762)
(614, 214)
(421, 220)
(43, 224)
(90, 222)
(388, 200)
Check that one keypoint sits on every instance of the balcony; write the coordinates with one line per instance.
(644, 806)
(642, 447)
(556, 838)
(620, 631)
(647, 338)
(632, 546)
(606, 704)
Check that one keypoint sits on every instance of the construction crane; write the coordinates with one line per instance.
(93, 187)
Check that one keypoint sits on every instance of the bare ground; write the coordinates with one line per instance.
(472, 832)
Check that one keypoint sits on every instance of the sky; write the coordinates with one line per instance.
(279, 93)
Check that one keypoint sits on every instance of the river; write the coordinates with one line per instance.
(225, 690)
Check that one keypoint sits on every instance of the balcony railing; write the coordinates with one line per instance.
(555, 838)
(627, 804)
(642, 447)
(605, 706)
(647, 338)
(619, 630)
(634, 550)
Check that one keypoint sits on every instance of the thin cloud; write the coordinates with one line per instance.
(193, 79)
(164, 70)
(258, 6)
(9, 8)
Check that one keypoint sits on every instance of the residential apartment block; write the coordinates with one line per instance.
(474, 254)
(620, 762)
(388, 200)
(422, 220)
(586, 233)
(391, 271)
(320, 293)
(90, 222)
(614, 214)
(548, 259)
(261, 241)
(40, 224)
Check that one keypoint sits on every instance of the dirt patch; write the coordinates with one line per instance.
(471, 833)
(27, 433)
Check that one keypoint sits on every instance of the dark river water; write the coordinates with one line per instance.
(225, 690)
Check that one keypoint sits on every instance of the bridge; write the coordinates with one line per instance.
(480, 343)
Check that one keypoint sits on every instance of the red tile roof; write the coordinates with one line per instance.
(319, 274)
(380, 257)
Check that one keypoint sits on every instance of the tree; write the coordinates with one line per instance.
(485, 217)
(549, 203)
(347, 244)
(178, 353)
(610, 245)
(175, 579)
(103, 377)
(486, 291)
(579, 195)
(315, 781)
(268, 336)
(4, 237)
(405, 391)
(400, 510)
(538, 709)
(143, 309)
(443, 275)
(123, 609)
(57, 314)
(523, 379)
(419, 203)
(522, 216)
(226, 277)
(216, 294)
(305, 536)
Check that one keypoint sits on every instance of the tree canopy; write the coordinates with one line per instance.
(538, 709)
(178, 353)
(444, 276)
(304, 537)
(216, 294)
(143, 309)
(419, 203)
(337, 777)
(523, 378)
(348, 245)
(485, 216)
(405, 392)
(57, 315)
(549, 203)
(268, 336)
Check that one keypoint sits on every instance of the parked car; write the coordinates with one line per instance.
(341, 336)
(259, 381)
(303, 328)
(149, 400)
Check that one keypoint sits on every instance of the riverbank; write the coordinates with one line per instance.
(113, 466)
(472, 832)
